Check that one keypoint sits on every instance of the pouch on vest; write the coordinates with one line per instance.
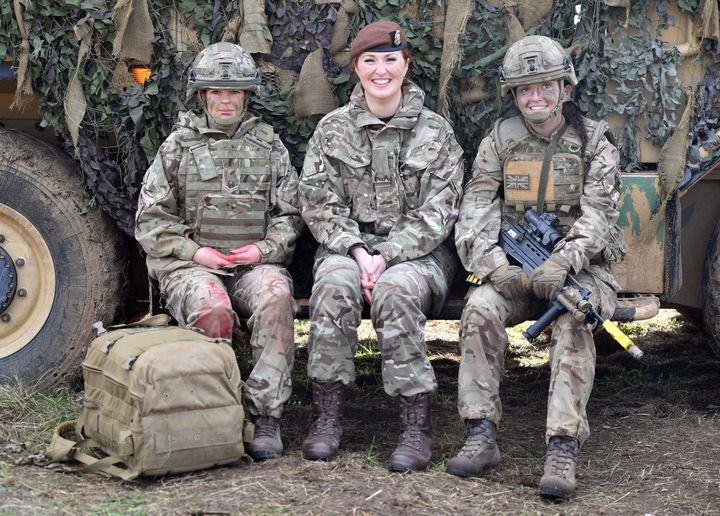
(522, 180)
(158, 399)
(229, 221)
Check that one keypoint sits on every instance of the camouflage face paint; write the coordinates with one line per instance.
(225, 108)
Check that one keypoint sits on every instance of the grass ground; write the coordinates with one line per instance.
(654, 447)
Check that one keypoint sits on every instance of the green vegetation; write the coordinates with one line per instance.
(635, 380)
(30, 417)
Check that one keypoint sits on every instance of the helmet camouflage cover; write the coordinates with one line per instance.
(223, 66)
(535, 59)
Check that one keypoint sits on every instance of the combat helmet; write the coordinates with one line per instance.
(223, 66)
(535, 59)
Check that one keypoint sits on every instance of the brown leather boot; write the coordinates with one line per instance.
(323, 439)
(414, 450)
(266, 443)
(560, 460)
(480, 454)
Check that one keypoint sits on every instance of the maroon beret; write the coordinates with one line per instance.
(383, 36)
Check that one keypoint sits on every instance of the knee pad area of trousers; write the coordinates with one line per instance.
(215, 321)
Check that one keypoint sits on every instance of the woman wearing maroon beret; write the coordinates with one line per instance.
(380, 191)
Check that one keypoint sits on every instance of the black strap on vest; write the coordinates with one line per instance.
(547, 159)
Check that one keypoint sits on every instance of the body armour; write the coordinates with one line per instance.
(521, 156)
(227, 187)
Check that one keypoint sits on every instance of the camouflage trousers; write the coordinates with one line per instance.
(402, 296)
(263, 295)
(483, 341)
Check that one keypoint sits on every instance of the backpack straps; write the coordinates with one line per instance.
(507, 133)
(65, 446)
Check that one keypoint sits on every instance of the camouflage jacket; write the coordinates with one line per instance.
(162, 228)
(392, 187)
(587, 234)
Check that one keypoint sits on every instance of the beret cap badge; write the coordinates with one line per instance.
(395, 38)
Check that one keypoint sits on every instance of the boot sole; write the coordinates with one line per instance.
(319, 456)
(404, 468)
(264, 455)
(554, 493)
(465, 474)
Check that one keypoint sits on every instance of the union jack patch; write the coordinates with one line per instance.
(517, 182)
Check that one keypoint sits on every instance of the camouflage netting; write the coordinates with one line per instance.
(75, 56)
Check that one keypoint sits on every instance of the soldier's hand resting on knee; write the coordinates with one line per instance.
(510, 281)
(549, 277)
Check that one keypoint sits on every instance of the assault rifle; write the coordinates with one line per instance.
(530, 247)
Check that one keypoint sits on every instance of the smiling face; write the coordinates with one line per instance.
(381, 75)
(538, 99)
(540, 104)
(225, 107)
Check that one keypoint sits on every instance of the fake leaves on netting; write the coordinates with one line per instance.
(620, 74)
(704, 144)
(689, 6)
(297, 29)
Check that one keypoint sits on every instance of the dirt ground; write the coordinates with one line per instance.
(654, 447)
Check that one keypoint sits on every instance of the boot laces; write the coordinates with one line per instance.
(412, 436)
(413, 421)
(327, 405)
(478, 439)
(266, 426)
(324, 425)
(562, 453)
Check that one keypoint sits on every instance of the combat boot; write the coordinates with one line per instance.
(266, 443)
(560, 460)
(480, 454)
(414, 450)
(323, 439)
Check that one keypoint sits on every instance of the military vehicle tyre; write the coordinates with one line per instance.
(60, 268)
(711, 290)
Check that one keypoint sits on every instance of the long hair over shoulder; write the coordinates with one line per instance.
(574, 118)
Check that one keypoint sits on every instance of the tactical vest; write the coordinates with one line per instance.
(521, 156)
(228, 187)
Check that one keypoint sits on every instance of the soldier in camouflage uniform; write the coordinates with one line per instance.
(218, 219)
(582, 189)
(380, 191)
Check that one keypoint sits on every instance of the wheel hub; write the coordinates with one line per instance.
(27, 281)
(8, 278)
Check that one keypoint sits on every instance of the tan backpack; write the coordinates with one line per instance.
(158, 400)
